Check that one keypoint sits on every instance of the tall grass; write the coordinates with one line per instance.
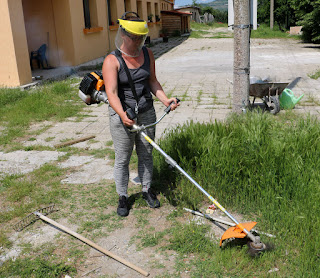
(265, 167)
(18, 109)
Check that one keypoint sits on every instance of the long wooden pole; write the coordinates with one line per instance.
(92, 244)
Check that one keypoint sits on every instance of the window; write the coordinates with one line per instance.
(127, 6)
(112, 12)
(149, 12)
(90, 13)
(139, 8)
(156, 8)
(86, 11)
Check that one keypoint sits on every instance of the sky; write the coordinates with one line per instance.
(179, 3)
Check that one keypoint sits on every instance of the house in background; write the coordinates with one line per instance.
(195, 11)
(175, 22)
(74, 31)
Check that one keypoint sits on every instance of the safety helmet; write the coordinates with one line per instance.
(134, 25)
(134, 28)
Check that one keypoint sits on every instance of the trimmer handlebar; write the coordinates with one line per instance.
(137, 128)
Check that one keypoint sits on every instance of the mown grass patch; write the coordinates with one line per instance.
(202, 26)
(56, 101)
(201, 30)
(25, 193)
(265, 167)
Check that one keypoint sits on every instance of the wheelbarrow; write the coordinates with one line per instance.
(268, 92)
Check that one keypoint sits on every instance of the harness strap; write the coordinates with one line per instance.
(133, 89)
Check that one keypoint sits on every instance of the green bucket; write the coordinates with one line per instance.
(288, 100)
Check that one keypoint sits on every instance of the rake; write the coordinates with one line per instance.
(34, 216)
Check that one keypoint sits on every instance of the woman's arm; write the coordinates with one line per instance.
(156, 88)
(110, 70)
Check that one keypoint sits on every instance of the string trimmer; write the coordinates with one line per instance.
(240, 230)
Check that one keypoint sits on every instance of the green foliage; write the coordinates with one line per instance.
(293, 12)
(284, 15)
(255, 164)
(311, 23)
(219, 16)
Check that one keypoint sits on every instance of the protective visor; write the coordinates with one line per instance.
(128, 43)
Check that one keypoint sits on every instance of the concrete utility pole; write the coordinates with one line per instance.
(241, 64)
(271, 14)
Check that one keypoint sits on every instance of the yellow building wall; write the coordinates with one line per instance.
(62, 20)
(26, 24)
(94, 43)
(14, 62)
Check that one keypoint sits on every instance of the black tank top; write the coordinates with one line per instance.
(140, 77)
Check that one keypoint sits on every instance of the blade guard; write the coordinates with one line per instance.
(236, 231)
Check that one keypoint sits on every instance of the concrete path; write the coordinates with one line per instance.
(200, 73)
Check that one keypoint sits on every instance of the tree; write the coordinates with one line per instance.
(219, 16)
(284, 14)
(308, 15)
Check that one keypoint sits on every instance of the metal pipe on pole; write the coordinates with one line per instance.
(241, 63)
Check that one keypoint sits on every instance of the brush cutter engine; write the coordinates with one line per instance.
(92, 89)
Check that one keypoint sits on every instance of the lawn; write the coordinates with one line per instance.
(263, 167)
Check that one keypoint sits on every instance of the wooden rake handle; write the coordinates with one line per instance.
(92, 244)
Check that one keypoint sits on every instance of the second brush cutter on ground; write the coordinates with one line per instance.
(240, 230)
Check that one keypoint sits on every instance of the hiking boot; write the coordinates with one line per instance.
(151, 199)
(123, 209)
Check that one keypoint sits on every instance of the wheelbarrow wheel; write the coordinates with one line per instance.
(274, 105)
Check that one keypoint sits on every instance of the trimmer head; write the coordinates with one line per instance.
(236, 232)
(255, 249)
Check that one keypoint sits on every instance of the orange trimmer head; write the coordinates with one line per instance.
(237, 231)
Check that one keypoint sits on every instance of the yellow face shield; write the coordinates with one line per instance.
(131, 35)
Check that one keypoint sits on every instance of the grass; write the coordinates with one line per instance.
(264, 168)
(51, 101)
(315, 75)
(26, 193)
(264, 32)
(37, 267)
(200, 30)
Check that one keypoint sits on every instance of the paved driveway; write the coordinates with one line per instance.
(200, 73)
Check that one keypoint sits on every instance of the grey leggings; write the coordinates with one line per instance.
(124, 141)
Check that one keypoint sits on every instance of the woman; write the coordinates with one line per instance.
(129, 41)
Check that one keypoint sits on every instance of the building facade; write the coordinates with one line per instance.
(74, 31)
(195, 11)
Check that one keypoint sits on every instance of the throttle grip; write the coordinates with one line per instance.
(168, 109)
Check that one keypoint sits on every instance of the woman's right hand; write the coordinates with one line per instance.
(126, 121)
